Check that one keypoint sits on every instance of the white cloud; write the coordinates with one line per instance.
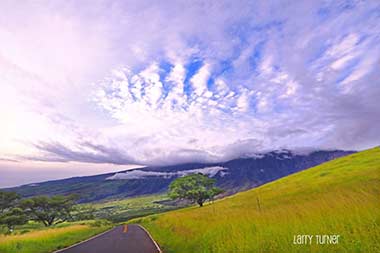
(199, 80)
(243, 100)
(364, 67)
(341, 62)
(345, 46)
(291, 88)
(141, 174)
(153, 86)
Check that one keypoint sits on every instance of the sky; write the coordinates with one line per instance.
(96, 86)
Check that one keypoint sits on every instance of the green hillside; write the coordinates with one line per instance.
(340, 197)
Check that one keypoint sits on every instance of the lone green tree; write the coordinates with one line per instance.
(50, 210)
(194, 187)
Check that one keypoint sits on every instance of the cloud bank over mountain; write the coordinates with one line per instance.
(141, 174)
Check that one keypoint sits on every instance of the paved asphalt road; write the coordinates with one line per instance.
(122, 239)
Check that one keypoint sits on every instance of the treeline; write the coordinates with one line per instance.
(196, 188)
(48, 210)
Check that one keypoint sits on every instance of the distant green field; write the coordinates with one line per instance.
(338, 197)
(125, 209)
(35, 238)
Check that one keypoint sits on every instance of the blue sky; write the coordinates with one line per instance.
(95, 86)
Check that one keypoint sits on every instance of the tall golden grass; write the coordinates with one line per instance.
(47, 240)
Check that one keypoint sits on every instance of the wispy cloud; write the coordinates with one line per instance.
(85, 152)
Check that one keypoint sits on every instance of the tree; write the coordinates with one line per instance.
(50, 210)
(194, 187)
(8, 200)
(12, 217)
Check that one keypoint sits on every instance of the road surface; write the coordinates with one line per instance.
(122, 239)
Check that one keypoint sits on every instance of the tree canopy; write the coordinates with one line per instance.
(10, 214)
(50, 210)
(194, 187)
(7, 200)
(14, 216)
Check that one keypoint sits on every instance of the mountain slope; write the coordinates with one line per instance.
(339, 197)
(233, 176)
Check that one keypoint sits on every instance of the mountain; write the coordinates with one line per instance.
(233, 176)
(337, 201)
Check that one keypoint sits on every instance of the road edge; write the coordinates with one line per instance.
(150, 236)
(95, 236)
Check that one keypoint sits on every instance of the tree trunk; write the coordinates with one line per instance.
(51, 220)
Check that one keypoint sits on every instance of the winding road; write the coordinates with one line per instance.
(122, 239)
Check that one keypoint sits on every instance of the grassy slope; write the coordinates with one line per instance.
(34, 238)
(337, 197)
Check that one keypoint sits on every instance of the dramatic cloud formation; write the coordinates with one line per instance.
(165, 82)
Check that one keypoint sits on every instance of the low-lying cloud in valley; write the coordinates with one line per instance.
(141, 174)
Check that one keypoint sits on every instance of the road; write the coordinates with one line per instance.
(122, 239)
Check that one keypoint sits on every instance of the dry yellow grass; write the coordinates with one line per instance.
(47, 240)
(42, 233)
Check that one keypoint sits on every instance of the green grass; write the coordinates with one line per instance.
(338, 197)
(125, 209)
(34, 238)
